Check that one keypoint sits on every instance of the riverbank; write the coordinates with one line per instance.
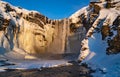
(60, 71)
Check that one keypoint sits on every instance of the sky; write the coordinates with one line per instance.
(53, 9)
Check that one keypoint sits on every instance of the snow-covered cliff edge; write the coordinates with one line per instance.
(101, 47)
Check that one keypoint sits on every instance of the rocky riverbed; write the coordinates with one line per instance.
(74, 70)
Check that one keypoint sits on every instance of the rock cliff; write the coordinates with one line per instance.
(101, 20)
(29, 32)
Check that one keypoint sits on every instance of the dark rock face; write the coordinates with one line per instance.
(95, 7)
(114, 44)
(1, 21)
(36, 18)
(105, 31)
(9, 8)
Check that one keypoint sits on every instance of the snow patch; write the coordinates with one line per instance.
(35, 64)
(105, 65)
(75, 16)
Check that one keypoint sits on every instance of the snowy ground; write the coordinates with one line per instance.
(105, 65)
(33, 64)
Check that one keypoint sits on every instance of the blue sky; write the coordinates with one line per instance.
(54, 9)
